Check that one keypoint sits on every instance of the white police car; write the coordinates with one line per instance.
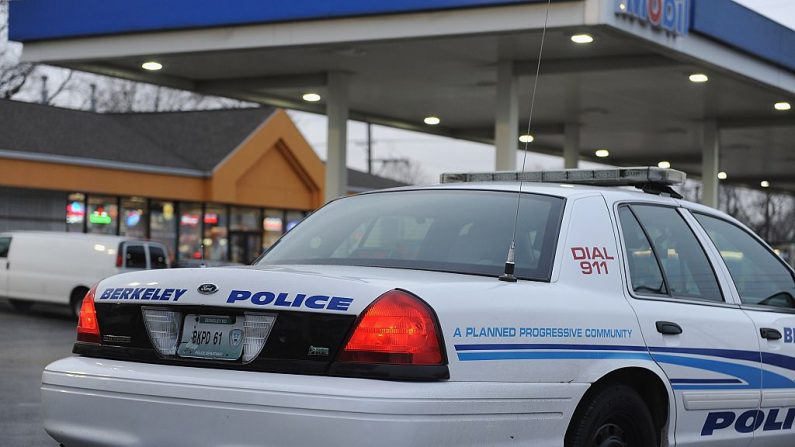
(637, 320)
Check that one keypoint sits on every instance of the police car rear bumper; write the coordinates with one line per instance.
(95, 402)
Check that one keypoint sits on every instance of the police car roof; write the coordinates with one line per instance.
(612, 194)
(564, 190)
(641, 183)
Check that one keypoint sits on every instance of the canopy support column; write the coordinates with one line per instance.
(571, 145)
(710, 156)
(506, 124)
(336, 136)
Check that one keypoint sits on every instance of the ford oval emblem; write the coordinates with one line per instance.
(207, 289)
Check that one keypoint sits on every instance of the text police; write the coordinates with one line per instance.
(284, 299)
(749, 421)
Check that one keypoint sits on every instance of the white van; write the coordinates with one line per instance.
(52, 267)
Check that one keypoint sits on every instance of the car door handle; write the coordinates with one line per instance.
(770, 334)
(668, 328)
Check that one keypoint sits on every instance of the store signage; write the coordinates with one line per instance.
(190, 220)
(100, 218)
(75, 212)
(133, 217)
(673, 16)
(273, 224)
(211, 218)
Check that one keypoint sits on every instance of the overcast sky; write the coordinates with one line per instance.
(435, 155)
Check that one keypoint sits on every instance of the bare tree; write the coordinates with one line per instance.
(13, 75)
(16, 76)
(775, 213)
(68, 88)
(769, 214)
(12, 78)
(114, 95)
(403, 170)
(690, 190)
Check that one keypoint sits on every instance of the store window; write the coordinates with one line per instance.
(215, 234)
(75, 212)
(133, 217)
(245, 235)
(103, 212)
(273, 227)
(163, 225)
(293, 218)
(244, 219)
(190, 227)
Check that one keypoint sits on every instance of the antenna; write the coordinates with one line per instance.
(510, 264)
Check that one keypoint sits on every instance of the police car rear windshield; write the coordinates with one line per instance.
(459, 231)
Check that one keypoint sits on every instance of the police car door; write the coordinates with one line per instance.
(705, 344)
(765, 287)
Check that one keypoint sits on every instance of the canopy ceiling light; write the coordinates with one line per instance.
(152, 65)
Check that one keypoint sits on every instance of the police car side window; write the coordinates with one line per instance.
(761, 278)
(5, 243)
(644, 271)
(686, 269)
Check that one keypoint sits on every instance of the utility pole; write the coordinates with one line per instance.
(767, 217)
(44, 89)
(93, 97)
(369, 148)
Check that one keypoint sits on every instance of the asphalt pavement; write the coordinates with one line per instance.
(28, 342)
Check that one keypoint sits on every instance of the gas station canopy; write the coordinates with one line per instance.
(615, 74)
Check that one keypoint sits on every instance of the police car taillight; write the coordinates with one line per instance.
(397, 328)
(87, 324)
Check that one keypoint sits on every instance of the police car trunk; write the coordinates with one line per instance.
(270, 318)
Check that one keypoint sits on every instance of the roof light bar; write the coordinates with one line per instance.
(637, 176)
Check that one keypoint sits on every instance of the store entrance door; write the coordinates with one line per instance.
(246, 246)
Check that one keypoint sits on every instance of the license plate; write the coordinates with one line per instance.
(217, 337)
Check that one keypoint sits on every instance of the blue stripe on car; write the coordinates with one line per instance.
(706, 381)
(745, 377)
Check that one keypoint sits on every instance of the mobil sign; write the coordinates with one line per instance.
(672, 16)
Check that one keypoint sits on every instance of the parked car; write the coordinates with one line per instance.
(59, 268)
(402, 318)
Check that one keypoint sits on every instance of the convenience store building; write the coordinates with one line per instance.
(232, 181)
